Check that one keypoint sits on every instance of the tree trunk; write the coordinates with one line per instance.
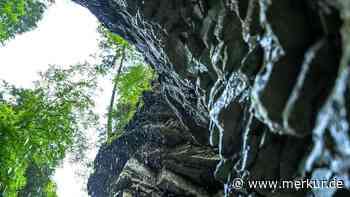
(111, 104)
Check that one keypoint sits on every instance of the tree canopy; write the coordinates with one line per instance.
(19, 16)
(39, 125)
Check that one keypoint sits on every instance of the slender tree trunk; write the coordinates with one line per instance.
(111, 104)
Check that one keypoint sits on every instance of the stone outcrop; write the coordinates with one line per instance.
(155, 157)
(254, 89)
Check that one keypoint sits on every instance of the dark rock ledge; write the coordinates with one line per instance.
(254, 89)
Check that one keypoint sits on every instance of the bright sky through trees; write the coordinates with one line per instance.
(66, 35)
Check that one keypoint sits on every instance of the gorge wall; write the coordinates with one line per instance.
(251, 89)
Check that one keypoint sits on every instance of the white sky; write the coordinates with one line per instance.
(66, 35)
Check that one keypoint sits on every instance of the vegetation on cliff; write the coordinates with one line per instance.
(132, 77)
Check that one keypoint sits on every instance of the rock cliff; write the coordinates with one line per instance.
(251, 89)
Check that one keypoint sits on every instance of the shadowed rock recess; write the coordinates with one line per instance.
(251, 89)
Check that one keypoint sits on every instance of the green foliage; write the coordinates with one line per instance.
(38, 182)
(113, 48)
(50, 189)
(110, 40)
(133, 82)
(18, 16)
(130, 86)
(38, 126)
(130, 80)
(12, 168)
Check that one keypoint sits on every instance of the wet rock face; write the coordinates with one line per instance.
(255, 89)
(155, 157)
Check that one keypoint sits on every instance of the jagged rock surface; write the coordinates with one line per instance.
(155, 157)
(255, 89)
